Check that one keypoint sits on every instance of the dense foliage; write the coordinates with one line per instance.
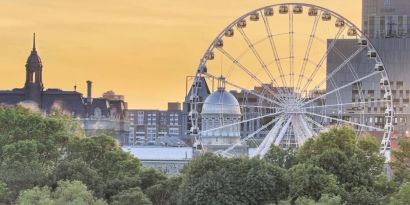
(333, 168)
(47, 160)
(40, 154)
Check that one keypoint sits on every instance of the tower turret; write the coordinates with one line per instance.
(34, 75)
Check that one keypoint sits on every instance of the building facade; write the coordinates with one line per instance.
(386, 18)
(98, 115)
(147, 126)
(203, 92)
(219, 110)
(168, 160)
(387, 25)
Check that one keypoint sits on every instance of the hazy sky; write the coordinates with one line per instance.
(142, 49)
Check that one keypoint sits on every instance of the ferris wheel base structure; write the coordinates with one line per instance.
(275, 89)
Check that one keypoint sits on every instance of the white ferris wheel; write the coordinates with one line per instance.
(285, 73)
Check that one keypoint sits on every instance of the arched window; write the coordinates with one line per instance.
(113, 112)
(97, 112)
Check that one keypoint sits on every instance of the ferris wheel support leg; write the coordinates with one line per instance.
(304, 129)
(282, 132)
(266, 143)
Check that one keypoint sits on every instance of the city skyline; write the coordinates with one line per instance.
(142, 54)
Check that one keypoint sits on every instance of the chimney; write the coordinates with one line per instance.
(89, 87)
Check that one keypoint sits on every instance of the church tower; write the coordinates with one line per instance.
(34, 76)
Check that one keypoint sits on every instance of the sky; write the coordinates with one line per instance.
(137, 48)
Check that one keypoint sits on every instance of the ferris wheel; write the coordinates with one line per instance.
(286, 73)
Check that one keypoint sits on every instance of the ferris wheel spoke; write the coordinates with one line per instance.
(342, 87)
(257, 56)
(313, 122)
(274, 49)
(352, 70)
(291, 52)
(250, 136)
(247, 90)
(319, 65)
(246, 70)
(345, 121)
(259, 59)
(338, 96)
(338, 68)
(346, 104)
(241, 105)
(241, 122)
(307, 52)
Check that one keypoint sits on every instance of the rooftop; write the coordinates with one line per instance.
(160, 153)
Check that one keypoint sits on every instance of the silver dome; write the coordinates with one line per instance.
(221, 102)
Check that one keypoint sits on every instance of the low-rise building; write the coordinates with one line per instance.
(148, 126)
(169, 160)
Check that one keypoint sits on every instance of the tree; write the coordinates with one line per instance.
(212, 179)
(30, 146)
(4, 194)
(362, 195)
(150, 177)
(164, 192)
(112, 169)
(342, 139)
(311, 182)
(280, 157)
(400, 165)
(131, 197)
(68, 193)
(324, 200)
(402, 197)
(38, 150)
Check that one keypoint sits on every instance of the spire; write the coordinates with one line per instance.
(34, 41)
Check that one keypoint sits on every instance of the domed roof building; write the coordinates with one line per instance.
(220, 117)
(221, 102)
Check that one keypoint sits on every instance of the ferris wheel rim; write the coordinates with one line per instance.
(348, 23)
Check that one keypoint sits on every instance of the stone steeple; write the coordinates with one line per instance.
(34, 75)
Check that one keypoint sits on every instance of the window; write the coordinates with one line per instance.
(387, 3)
(408, 25)
(151, 133)
(382, 25)
(173, 131)
(140, 118)
(399, 85)
(371, 26)
(113, 111)
(400, 25)
(131, 133)
(97, 112)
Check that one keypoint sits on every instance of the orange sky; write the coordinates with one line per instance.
(141, 49)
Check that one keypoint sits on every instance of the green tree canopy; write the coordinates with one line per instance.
(400, 164)
(101, 164)
(403, 196)
(31, 145)
(212, 179)
(164, 192)
(131, 197)
(67, 193)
